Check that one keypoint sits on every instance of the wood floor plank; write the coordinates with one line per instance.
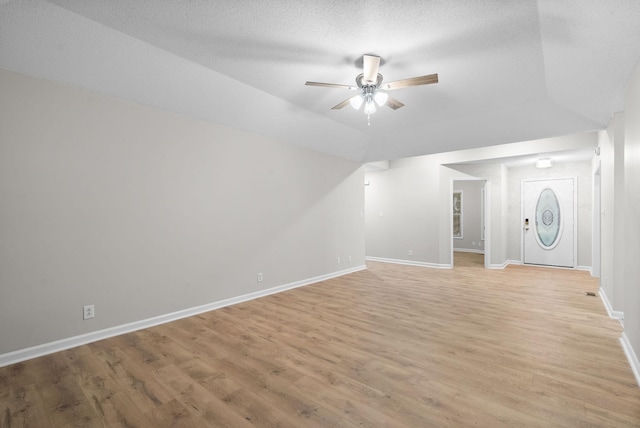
(26, 409)
(205, 407)
(211, 377)
(397, 346)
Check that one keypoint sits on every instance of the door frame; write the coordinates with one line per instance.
(575, 218)
(596, 235)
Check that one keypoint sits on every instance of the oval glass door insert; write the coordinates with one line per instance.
(548, 218)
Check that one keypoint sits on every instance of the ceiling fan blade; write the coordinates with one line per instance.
(330, 85)
(393, 103)
(412, 81)
(343, 103)
(370, 66)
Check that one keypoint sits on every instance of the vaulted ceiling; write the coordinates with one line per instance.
(509, 70)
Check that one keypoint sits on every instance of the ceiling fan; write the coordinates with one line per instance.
(371, 89)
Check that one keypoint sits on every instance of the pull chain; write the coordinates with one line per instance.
(369, 119)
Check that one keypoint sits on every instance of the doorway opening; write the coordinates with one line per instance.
(469, 220)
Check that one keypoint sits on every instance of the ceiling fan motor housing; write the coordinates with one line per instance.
(362, 83)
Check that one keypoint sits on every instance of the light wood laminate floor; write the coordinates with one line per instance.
(394, 345)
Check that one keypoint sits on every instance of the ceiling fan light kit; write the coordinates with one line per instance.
(370, 87)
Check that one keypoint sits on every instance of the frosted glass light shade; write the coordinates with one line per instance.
(370, 107)
(356, 101)
(381, 98)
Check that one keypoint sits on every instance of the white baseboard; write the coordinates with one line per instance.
(584, 268)
(618, 315)
(505, 264)
(409, 262)
(468, 250)
(631, 356)
(518, 262)
(72, 342)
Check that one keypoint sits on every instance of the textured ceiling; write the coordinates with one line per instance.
(509, 71)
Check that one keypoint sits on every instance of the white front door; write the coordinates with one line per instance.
(549, 222)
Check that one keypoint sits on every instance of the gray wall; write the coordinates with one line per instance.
(607, 184)
(619, 164)
(144, 212)
(612, 164)
(399, 214)
(631, 243)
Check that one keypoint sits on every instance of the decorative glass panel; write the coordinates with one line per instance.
(548, 218)
(457, 214)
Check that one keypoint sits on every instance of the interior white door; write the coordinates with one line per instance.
(549, 222)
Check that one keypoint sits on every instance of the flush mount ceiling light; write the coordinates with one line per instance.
(371, 90)
(544, 163)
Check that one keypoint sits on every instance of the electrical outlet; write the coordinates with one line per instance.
(349, 259)
(339, 260)
(88, 311)
(260, 277)
(411, 252)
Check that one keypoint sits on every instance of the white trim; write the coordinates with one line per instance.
(467, 250)
(584, 268)
(518, 262)
(482, 213)
(71, 342)
(505, 264)
(618, 315)
(631, 356)
(581, 268)
(409, 262)
(596, 221)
